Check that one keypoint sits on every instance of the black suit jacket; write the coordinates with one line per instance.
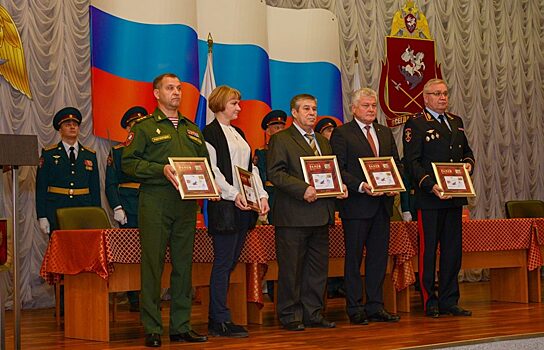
(424, 143)
(285, 172)
(349, 143)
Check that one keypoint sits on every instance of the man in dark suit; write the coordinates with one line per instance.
(301, 220)
(435, 135)
(365, 215)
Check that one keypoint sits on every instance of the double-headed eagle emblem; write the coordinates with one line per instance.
(12, 58)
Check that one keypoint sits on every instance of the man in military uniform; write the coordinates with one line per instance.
(325, 127)
(163, 217)
(435, 135)
(272, 123)
(67, 173)
(122, 190)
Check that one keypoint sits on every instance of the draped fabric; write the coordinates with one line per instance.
(492, 56)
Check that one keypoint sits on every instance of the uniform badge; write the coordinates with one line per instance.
(427, 139)
(408, 134)
(158, 131)
(194, 136)
(130, 137)
(88, 164)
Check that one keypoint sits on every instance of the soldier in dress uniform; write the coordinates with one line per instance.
(122, 190)
(67, 174)
(272, 123)
(325, 127)
(435, 135)
(163, 217)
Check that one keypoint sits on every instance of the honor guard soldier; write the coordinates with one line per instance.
(272, 123)
(67, 174)
(325, 127)
(122, 190)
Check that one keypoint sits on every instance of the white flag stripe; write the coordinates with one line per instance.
(208, 84)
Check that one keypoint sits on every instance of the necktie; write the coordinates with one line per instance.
(72, 155)
(371, 140)
(442, 120)
(312, 144)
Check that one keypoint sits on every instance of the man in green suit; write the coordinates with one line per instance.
(122, 191)
(67, 174)
(164, 219)
(301, 220)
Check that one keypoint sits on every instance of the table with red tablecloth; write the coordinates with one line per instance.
(98, 262)
(511, 248)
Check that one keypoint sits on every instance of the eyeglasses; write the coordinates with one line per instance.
(438, 93)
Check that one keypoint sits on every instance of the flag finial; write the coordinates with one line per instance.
(210, 43)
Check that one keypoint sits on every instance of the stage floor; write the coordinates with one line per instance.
(491, 321)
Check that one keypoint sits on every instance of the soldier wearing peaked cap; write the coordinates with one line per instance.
(122, 190)
(67, 174)
(325, 126)
(272, 123)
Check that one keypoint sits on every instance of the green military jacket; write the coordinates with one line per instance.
(151, 141)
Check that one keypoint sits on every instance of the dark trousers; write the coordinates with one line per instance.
(303, 260)
(226, 250)
(444, 226)
(374, 235)
(132, 222)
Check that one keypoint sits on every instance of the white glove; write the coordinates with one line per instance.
(120, 216)
(406, 216)
(44, 225)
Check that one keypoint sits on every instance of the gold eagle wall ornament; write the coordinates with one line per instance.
(12, 57)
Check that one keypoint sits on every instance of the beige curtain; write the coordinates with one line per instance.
(491, 53)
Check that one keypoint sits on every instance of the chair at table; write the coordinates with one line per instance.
(78, 218)
(525, 209)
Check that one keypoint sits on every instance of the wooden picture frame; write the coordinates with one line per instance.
(382, 174)
(453, 179)
(248, 188)
(195, 177)
(323, 173)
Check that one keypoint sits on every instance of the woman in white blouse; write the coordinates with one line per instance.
(231, 218)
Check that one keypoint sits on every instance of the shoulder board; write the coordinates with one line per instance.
(50, 147)
(417, 115)
(88, 149)
(120, 145)
(451, 115)
(143, 118)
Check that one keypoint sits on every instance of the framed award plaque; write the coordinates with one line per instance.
(382, 174)
(453, 179)
(323, 174)
(194, 177)
(248, 188)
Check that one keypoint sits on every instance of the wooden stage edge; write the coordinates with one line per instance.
(491, 322)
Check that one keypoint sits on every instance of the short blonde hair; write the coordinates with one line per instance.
(217, 101)
(432, 82)
(366, 92)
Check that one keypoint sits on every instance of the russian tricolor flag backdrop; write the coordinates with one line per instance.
(269, 54)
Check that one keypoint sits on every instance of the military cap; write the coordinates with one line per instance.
(66, 114)
(273, 117)
(132, 114)
(325, 123)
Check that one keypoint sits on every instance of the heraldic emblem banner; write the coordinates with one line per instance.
(409, 63)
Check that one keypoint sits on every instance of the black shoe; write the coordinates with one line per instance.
(383, 316)
(323, 323)
(294, 326)
(358, 318)
(190, 337)
(134, 307)
(153, 340)
(456, 310)
(432, 311)
(226, 329)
